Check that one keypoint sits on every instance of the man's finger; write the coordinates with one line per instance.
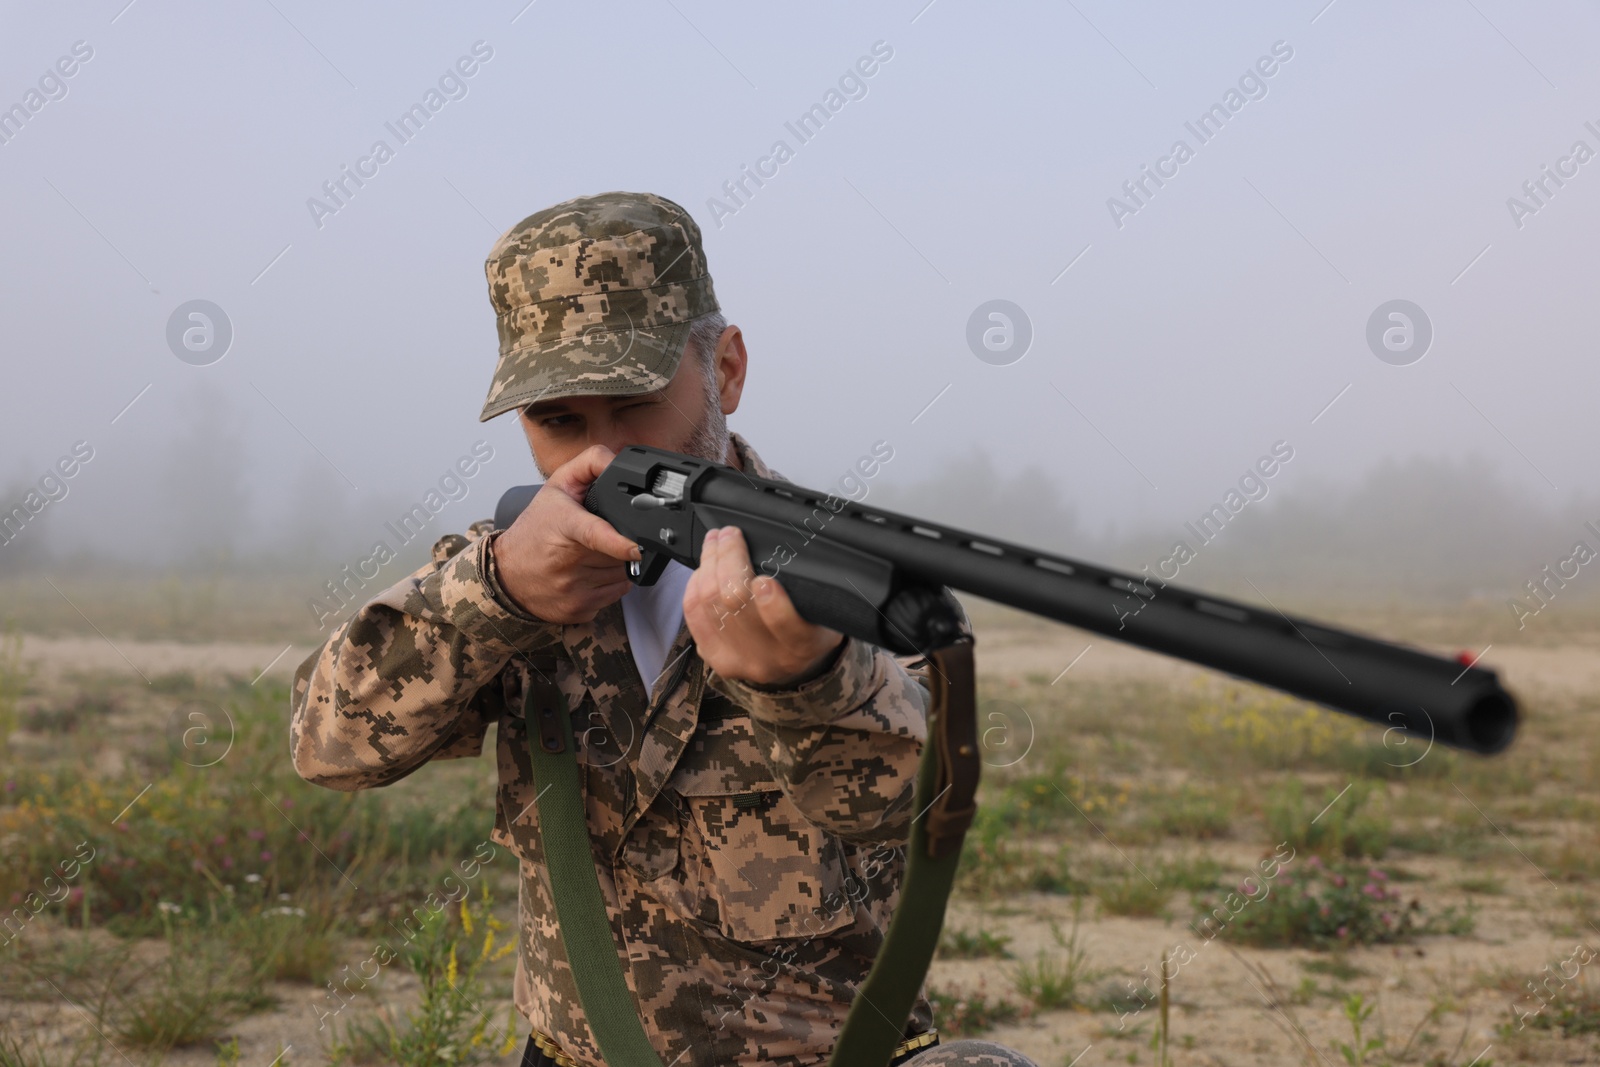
(595, 567)
(701, 579)
(598, 535)
(610, 594)
(778, 613)
(733, 567)
(576, 475)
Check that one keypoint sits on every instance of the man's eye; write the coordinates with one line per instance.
(556, 422)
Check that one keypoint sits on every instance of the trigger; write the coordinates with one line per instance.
(648, 567)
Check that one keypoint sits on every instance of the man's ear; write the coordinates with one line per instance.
(731, 363)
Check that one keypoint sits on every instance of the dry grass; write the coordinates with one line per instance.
(1151, 790)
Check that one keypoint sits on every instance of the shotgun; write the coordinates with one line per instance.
(884, 578)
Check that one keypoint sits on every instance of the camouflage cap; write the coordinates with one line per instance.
(594, 296)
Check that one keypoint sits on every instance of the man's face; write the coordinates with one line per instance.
(687, 416)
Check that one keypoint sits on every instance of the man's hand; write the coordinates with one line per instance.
(558, 561)
(746, 628)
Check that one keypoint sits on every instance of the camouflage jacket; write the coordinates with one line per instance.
(749, 841)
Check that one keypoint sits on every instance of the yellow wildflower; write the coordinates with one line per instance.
(511, 1032)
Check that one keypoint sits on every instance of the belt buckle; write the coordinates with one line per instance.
(917, 1043)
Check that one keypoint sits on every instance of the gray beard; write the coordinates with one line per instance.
(709, 441)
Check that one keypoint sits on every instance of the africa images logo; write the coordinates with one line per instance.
(1399, 332)
(199, 332)
(852, 85)
(1252, 85)
(451, 85)
(52, 86)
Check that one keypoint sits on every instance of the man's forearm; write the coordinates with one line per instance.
(399, 682)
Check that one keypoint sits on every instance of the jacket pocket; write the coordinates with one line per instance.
(755, 866)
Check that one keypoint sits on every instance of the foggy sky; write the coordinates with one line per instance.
(1187, 338)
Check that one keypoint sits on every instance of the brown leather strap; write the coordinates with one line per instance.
(953, 731)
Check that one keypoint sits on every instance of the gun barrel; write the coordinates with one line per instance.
(1422, 694)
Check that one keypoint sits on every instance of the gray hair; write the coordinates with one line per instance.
(709, 440)
(704, 333)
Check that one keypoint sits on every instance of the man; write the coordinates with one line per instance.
(747, 778)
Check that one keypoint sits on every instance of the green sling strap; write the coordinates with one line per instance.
(947, 781)
(575, 885)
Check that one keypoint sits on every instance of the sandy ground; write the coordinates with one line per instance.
(1008, 646)
(1012, 645)
(59, 656)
